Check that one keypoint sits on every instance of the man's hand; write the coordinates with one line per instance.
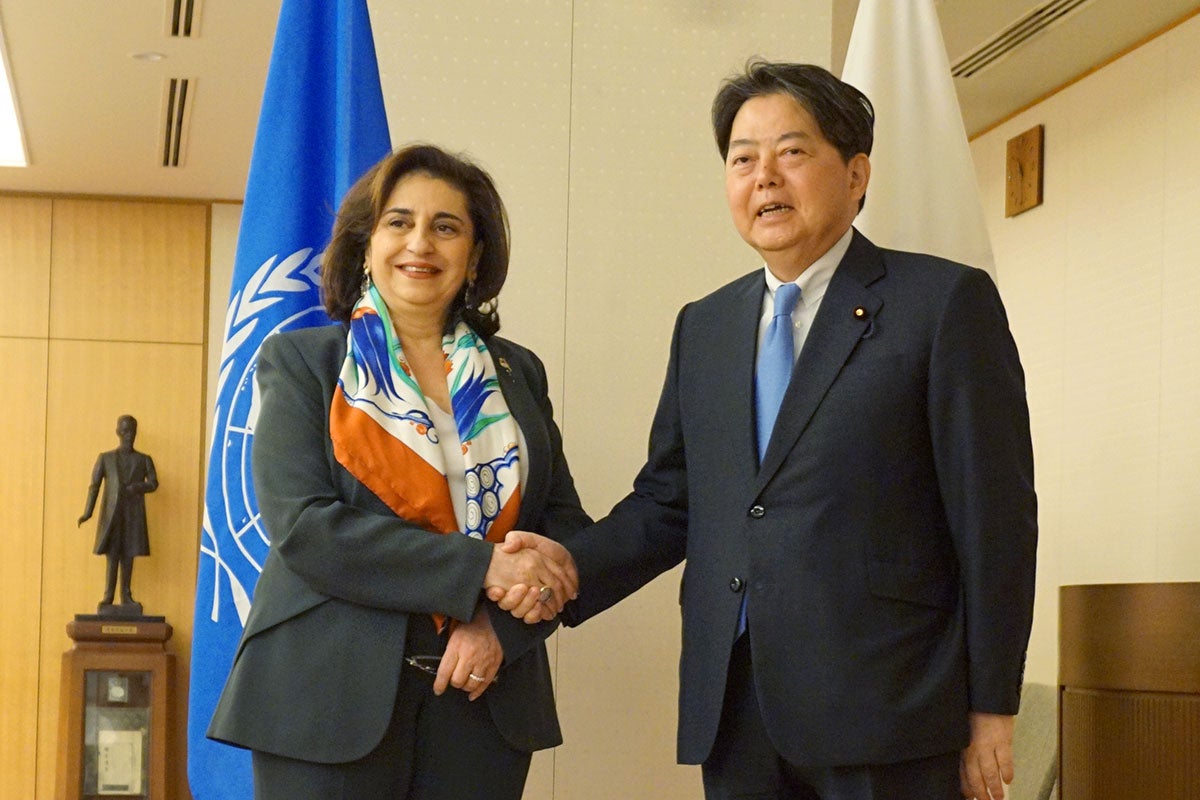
(473, 657)
(530, 600)
(987, 762)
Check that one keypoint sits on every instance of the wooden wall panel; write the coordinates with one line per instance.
(24, 266)
(22, 427)
(162, 386)
(129, 271)
(103, 313)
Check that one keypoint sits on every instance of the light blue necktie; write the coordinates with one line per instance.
(775, 359)
(771, 376)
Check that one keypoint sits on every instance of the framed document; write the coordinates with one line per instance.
(119, 762)
(116, 733)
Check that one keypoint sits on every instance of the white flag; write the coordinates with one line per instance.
(923, 195)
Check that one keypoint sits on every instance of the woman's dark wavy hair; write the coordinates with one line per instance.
(843, 113)
(342, 263)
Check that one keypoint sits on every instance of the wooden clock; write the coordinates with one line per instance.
(1023, 173)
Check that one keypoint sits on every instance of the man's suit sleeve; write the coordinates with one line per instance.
(149, 481)
(89, 505)
(646, 533)
(979, 422)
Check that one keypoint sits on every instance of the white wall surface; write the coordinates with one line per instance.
(1102, 287)
(593, 117)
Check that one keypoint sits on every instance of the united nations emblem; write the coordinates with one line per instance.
(281, 295)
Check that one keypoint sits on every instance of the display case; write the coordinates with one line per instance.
(113, 722)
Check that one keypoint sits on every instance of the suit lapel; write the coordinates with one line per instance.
(127, 465)
(528, 416)
(845, 317)
(732, 344)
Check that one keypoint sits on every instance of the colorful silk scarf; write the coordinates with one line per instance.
(383, 435)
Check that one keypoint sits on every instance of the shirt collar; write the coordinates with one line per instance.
(815, 280)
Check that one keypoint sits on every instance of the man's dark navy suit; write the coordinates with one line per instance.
(888, 539)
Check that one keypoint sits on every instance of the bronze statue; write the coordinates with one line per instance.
(121, 534)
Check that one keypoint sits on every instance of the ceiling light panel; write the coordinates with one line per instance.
(12, 140)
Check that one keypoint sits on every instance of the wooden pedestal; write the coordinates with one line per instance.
(1129, 691)
(113, 713)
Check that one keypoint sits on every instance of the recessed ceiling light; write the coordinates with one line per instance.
(12, 143)
(148, 55)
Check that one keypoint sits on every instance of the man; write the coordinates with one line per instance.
(858, 591)
(121, 534)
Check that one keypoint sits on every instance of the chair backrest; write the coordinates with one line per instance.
(1035, 743)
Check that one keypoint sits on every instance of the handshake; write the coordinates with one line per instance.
(531, 577)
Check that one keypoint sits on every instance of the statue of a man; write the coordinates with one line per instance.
(121, 534)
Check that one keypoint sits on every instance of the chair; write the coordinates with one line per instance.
(1035, 744)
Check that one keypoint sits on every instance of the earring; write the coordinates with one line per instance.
(469, 293)
(366, 277)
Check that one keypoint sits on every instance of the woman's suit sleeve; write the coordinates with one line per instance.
(561, 512)
(327, 528)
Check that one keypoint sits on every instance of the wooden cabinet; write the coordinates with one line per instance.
(1129, 691)
(114, 725)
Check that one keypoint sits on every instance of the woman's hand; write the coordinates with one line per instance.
(534, 575)
(523, 603)
(473, 657)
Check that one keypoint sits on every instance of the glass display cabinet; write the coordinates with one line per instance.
(113, 710)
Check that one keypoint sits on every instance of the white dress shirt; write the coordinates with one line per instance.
(812, 282)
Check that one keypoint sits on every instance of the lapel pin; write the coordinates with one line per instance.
(860, 312)
(504, 364)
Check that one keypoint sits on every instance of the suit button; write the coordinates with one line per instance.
(757, 512)
(735, 585)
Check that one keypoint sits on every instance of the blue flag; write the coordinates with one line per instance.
(322, 124)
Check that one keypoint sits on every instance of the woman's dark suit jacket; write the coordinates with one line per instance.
(315, 674)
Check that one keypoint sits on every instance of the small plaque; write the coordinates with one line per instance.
(120, 630)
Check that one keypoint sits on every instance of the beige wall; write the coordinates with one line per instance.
(1102, 287)
(593, 118)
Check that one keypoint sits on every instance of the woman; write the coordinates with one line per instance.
(380, 442)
